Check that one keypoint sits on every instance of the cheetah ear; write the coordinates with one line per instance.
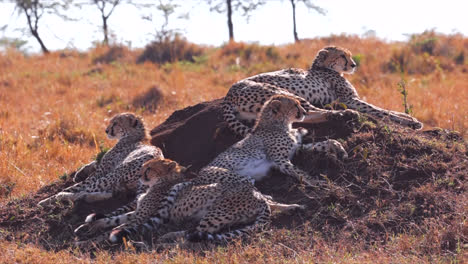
(275, 106)
(135, 123)
(171, 165)
(322, 54)
(183, 169)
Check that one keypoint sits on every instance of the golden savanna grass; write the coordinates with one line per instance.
(54, 109)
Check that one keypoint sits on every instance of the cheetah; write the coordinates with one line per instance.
(119, 168)
(216, 206)
(322, 84)
(271, 143)
(170, 174)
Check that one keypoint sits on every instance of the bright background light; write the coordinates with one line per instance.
(269, 24)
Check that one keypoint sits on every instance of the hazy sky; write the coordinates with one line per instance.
(270, 24)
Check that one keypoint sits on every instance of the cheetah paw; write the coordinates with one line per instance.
(88, 229)
(343, 116)
(336, 149)
(416, 125)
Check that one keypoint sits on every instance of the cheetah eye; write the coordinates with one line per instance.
(346, 60)
(145, 172)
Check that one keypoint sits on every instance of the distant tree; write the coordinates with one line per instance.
(106, 7)
(229, 6)
(34, 9)
(167, 9)
(309, 5)
(16, 43)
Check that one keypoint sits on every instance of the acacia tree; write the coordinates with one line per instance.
(106, 7)
(229, 6)
(34, 10)
(309, 6)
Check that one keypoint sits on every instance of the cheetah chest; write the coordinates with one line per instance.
(255, 168)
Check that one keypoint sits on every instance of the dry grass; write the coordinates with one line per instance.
(54, 110)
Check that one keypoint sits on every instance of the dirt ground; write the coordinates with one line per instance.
(395, 181)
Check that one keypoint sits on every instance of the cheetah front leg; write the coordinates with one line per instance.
(72, 197)
(316, 115)
(280, 206)
(85, 171)
(286, 167)
(90, 228)
(128, 223)
(397, 117)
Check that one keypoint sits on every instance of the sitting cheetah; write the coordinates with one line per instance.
(216, 206)
(322, 84)
(119, 168)
(271, 143)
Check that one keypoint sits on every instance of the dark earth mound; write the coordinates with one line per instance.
(395, 181)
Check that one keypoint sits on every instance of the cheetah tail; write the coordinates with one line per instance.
(124, 209)
(229, 115)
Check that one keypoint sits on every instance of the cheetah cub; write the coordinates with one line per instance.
(159, 175)
(322, 84)
(165, 178)
(216, 207)
(119, 168)
(272, 143)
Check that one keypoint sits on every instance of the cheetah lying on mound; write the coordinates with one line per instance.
(322, 84)
(215, 206)
(119, 169)
(272, 143)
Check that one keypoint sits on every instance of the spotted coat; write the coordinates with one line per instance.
(119, 168)
(322, 84)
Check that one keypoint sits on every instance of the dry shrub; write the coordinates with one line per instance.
(247, 54)
(111, 54)
(170, 49)
(66, 131)
(6, 186)
(149, 100)
(427, 52)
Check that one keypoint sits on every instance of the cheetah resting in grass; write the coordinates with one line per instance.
(322, 84)
(215, 206)
(119, 169)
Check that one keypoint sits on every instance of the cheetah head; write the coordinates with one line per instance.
(282, 108)
(335, 58)
(125, 124)
(160, 171)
